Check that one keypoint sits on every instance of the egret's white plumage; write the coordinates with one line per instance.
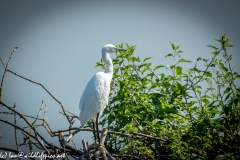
(95, 96)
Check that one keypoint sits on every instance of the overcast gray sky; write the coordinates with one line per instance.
(60, 41)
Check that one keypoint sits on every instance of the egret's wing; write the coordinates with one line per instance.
(94, 97)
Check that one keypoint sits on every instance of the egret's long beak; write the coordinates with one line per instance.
(120, 49)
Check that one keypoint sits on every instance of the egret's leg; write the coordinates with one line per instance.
(97, 128)
(94, 133)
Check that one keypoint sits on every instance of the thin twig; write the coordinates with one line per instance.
(49, 130)
(5, 71)
(6, 66)
(2, 62)
(15, 129)
(41, 143)
(19, 114)
(15, 126)
(23, 115)
(45, 113)
(74, 144)
(39, 112)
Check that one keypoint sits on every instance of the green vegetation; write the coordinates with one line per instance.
(195, 110)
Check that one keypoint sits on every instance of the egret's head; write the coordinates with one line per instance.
(111, 48)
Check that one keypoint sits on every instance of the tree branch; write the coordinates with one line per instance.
(85, 149)
(63, 109)
(138, 135)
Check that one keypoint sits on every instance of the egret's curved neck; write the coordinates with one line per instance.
(108, 61)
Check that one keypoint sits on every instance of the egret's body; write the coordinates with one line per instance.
(95, 96)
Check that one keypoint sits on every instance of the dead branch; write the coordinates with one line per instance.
(85, 149)
(6, 66)
(15, 129)
(103, 136)
(41, 143)
(102, 150)
(63, 109)
(137, 135)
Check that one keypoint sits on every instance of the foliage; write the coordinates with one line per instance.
(195, 110)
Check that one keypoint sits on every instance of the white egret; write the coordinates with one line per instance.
(95, 96)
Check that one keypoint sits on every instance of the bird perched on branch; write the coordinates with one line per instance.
(95, 96)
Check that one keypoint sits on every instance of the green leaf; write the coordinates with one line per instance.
(160, 66)
(205, 60)
(212, 65)
(168, 55)
(199, 58)
(173, 46)
(211, 46)
(237, 76)
(228, 96)
(122, 150)
(215, 53)
(144, 69)
(144, 64)
(134, 59)
(183, 60)
(179, 51)
(178, 71)
(208, 74)
(185, 144)
(207, 145)
(147, 58)
(211, 104)
(155, 121)
(226, 90)
(176, 48)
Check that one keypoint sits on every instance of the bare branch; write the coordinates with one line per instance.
(74, 144)
(61, 139)
(15, 126)
(6, 66)
(91, 147)
(138, 135)
(11, 113)
(102, 150)
(41, 143)
(63, 109)
(109, 155)
(2, 62)
(103, 136)
(15, 129)
(85, 149)
(39, 112)
(9, 149)
(96, 155)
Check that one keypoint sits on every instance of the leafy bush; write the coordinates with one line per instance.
(195, 110)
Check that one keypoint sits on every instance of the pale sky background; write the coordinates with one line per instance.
(60, 41)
